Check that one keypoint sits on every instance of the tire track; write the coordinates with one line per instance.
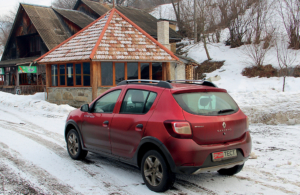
(42, 176)
(60, 151)
(34, 127)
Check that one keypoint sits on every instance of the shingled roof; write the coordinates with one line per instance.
(142, 18)
(112, 37)
(47, 24)
(77, 17)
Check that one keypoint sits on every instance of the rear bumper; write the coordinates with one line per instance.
(218, 167)
(191, 158)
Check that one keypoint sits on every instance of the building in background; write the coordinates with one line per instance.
(38, 29)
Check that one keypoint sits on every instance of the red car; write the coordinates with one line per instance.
(164, 128)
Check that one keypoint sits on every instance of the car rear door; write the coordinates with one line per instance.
(96, 124)
(128, 125)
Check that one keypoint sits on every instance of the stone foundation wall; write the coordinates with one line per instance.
(75, 96)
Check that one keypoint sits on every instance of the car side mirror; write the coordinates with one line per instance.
(85, 108)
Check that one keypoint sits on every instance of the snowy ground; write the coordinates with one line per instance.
(34, 159)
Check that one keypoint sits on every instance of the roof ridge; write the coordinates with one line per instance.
(103, 32)
(147, 35)
(37, 5)
(40, 58)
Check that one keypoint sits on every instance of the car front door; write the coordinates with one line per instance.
(128, 125)
(96, 123)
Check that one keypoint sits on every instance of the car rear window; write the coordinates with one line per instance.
(206, 103)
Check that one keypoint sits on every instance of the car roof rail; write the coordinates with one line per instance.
(196, 82)
(158, 83)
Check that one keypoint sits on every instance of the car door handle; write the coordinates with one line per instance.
(139, 127)
(105, 124)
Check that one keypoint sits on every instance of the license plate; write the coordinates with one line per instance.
(218, 156)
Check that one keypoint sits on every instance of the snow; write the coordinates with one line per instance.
(165, 11)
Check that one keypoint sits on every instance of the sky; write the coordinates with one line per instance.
(7, 5)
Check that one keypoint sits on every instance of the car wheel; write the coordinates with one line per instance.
(231, 171)
(74, 146)
(156, 173)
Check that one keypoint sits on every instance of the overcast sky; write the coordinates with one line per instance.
(7, 5)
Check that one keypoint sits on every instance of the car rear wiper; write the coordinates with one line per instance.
(226, 110)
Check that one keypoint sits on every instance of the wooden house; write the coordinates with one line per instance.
(38, 29)
(35, 31)
(111, 49)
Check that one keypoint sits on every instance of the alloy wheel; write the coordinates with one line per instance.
(153, 170)
(73, 144)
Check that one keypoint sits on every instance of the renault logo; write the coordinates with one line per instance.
(224, 125)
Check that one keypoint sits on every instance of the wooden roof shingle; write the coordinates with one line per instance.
(111, 37)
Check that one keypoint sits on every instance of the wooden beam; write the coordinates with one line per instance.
(168, 70)
(94, 79)
(99, 73)
(48, 78)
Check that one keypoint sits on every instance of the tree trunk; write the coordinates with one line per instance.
(205, 47)
(283, 84)
(195, 23)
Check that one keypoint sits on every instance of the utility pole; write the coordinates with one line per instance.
(195, 23)
(114, 3)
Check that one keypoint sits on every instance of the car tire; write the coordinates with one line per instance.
(231, 171)
(74, 146)
(156, 173)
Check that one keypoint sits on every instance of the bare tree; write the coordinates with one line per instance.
(285, 57)
(290, 14)
(6, 22)
(65, 4)
(256, 53)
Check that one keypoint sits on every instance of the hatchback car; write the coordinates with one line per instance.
(164, 128)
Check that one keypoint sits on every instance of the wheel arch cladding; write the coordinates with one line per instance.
(72, 125)
(151, 143)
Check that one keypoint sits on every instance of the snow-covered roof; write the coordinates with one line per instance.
(111, 37)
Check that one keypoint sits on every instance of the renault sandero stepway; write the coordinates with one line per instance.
(164, 128)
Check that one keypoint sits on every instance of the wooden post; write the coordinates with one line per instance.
(164, 70)
(48, 78)
(94, 71)
(168, 70)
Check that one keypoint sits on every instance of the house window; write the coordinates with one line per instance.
(71, 75)
(62, 75)
(35, 44)
(145, 71)
(157, 71)
(132, 71)
(54, 75)
(113, 73)
(120, 72)
(107, 73)
(86, 74)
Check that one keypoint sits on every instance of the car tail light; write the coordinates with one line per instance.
(179, 129)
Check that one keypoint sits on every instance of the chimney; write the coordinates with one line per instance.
(163, 33)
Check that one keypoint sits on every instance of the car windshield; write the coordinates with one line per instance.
(206, 103)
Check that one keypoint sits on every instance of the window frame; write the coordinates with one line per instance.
(94, 104)
(74, 74)
(125, 70)
(144, 104)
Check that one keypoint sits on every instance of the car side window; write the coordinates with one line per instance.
(137, 102)
(106, 104)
